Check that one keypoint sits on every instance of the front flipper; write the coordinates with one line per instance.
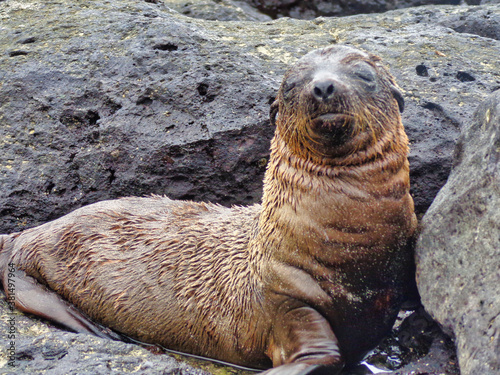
(303, 369)
(34, 298)
(303, 343)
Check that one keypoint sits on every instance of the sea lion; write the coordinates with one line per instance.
(307, 282)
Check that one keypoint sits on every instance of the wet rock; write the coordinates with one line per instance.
(482, 21)
(309, 9)
(416, 346)
(219, 10)
(41, 348)
(458, 252)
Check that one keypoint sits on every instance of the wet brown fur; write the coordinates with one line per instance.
(326, 251)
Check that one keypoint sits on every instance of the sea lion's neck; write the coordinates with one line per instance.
(305, 205)
(381, 161)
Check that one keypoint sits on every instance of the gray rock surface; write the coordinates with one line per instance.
(458, 252)
(482, 21)
(217, 10)
(42, 349)
(103, 99)
(309, 9)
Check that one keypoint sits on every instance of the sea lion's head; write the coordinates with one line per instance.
(336, 101)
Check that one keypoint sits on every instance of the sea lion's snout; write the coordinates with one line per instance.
(324, 86)
(329, 112)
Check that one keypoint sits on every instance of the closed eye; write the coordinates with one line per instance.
(365, 72)
(368, 77)
(289, 87)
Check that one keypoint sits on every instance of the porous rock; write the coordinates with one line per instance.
(458, 253)
(42, 349)
(217, 10)
(308, 9)
(482, 21)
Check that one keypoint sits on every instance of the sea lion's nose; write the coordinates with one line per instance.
(324, 88)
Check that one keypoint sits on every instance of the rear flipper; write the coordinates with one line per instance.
(34, 298)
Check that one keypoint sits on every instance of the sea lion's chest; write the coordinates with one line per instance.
(345, 254)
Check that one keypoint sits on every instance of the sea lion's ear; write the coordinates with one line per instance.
(396, 91)
(273, 112)
(398, 95)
